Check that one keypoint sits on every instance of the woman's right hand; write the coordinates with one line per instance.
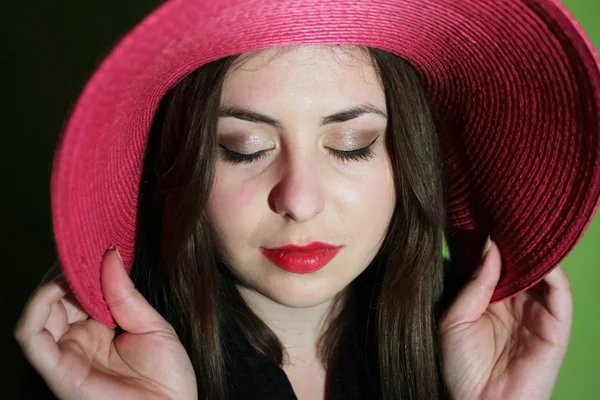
(81, 359)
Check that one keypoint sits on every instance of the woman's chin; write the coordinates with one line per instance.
(300, 301)
(300, 293)
(296, 290)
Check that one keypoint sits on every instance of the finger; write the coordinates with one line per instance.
(75, 312)
(38, 345)
(128, 307)
(474, 298)
(57, 324)
(65, 312)
(558, 296)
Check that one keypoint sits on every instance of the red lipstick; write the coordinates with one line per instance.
(302, 259)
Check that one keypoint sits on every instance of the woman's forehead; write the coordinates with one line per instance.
(317, 74)
(344, 54)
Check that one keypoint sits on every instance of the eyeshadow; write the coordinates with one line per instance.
(349, 140)
(244, 143)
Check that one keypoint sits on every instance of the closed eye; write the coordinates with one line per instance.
(234, 157)
(363, 154)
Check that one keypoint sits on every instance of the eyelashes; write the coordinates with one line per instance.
(363, 154)
(234, 157)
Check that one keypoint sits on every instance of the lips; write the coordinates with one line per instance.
(302, 259)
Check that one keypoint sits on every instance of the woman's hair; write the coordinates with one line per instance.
(387, 316)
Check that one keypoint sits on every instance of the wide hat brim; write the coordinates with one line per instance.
(515, 90)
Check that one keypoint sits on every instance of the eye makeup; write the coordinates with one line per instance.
(345, 146)
(357, 154)
(234, 157)
(239, 148)
(246, 144)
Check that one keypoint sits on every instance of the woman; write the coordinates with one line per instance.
(289, 244)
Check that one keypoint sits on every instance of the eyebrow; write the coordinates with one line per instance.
(340, 116)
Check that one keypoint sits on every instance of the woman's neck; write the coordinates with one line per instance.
(298, 329)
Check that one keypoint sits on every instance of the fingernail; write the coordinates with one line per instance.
(117, 251)
(119, 256)
(486, 247)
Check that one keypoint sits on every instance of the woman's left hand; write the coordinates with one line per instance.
(512, 349)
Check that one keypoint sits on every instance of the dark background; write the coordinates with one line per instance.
(50, 50)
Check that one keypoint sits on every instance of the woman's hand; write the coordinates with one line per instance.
(511, 349)
(79, 358)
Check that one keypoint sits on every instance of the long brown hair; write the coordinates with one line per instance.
(388, 314)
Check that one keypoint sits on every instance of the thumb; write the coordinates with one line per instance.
(474, 298)
(130, 310)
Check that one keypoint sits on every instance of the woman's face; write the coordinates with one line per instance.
(302, 159)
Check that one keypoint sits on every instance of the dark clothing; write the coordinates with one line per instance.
(256, 377)
(251, 376)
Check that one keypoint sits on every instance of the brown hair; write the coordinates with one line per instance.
(388, 314)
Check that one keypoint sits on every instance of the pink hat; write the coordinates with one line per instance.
(515, 90)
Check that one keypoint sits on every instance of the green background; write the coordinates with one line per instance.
(49, 50)
(580, 375)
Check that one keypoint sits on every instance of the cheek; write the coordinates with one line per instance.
(369, 197)
(233, 207)
(365, 207)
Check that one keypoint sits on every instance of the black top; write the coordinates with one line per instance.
(251, 376)
(256, 377)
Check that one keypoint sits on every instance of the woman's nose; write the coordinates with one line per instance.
(298, 195)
